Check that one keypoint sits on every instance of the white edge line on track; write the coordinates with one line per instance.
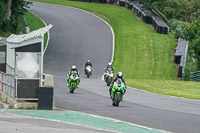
(47, 34)
(113, 35)
(112, 32)
(120, 121)
(31, 117)
(97, 116)
(113, 48)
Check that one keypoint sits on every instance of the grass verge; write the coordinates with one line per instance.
(185, 89)
(35, 23)
(140, 53)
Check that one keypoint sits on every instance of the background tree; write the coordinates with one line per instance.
(192, 34)
(185, 10)
(9, 10)
(12, 15)
(17, 16)
(2, 12)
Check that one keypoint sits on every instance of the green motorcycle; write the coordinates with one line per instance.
(117, 92)
(73, 81)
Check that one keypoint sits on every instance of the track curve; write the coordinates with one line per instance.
(78, 36)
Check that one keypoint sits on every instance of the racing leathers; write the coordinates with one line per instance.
(115, 79)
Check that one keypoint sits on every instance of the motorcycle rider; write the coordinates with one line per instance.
(119, 76)
(88, 63)
(109, 66)
(73, 70)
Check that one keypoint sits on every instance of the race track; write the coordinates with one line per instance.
(77, 36)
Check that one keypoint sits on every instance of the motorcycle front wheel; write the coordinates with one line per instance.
(72, 88)
(117, 99)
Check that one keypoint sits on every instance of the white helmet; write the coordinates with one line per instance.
(73, 67)
(109, 63)
(119, 74)
(88, 60)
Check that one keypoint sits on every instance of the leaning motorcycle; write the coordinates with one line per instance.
(108, 77)
(88, 71)
(73, 82)
(117, 92)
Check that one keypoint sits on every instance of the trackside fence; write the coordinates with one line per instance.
(195, 76)
(7, 84)
(180, 56)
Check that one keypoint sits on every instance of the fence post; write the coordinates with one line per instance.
(2, 83)
(183, 76)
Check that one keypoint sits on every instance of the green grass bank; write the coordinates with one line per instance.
(144, 56)
(185, 89)
(35, 23)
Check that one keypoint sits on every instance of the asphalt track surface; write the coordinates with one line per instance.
(78, 36)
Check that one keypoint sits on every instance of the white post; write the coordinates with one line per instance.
(15, 61)
(41, 63)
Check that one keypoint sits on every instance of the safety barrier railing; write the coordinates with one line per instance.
(7, 83)
(195, 76)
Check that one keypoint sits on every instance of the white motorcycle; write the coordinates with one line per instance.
(108, 77)
(88, 71)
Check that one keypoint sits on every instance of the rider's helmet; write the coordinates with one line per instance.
(88, 60)
(109, 63)
(119, 74)
(73, 67)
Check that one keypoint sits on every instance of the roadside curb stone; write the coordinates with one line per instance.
(85, 120)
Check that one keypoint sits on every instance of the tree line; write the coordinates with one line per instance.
(12, 15)
(184, 14)
(179, 13)
(184, 10)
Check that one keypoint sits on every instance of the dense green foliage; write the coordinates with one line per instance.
(182, 13)
(15, 23)
(192, 34)
(2, 13)
(185, 10)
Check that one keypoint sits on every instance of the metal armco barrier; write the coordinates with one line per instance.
(195, 76)
(7, 84)
(146, 14)
(180, 56)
